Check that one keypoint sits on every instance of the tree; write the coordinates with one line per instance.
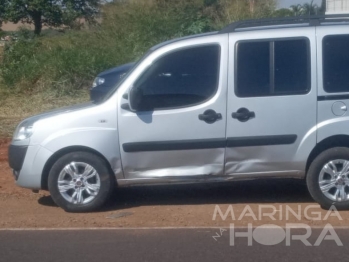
(2, 10)
(48, 12)
(283, 12)
(305, 9)
(322, 9)
(297, 10)
(310, 8)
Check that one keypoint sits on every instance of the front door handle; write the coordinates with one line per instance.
(243, 114)
(210, 116)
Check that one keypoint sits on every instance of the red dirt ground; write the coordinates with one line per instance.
(163, 206)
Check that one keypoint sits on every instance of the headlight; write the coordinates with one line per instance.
(98, 81)
(23, 131)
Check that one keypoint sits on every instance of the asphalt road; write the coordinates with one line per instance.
(161, 245)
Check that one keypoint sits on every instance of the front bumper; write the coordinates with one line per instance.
(28, 164)
(16, 155)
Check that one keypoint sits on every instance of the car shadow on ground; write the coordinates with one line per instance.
(255, 191)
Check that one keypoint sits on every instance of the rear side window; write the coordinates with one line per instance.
(181, 78)
(269, 68)
(336, 63)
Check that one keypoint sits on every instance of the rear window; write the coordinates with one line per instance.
(336, 63)
(275, 67)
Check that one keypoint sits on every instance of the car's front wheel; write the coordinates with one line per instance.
(80, 182)
(328, 178)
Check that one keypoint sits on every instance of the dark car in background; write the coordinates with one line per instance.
(106, 80)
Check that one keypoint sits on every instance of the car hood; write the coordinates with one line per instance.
(118, 69)
(61, 110)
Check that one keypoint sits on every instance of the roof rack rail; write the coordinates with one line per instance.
(305, 20)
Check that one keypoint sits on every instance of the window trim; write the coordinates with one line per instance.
(272, 66)
(217, 44)
(323, 63)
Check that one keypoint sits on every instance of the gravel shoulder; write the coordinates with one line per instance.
(168, 206)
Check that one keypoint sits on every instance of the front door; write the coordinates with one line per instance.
(271, 119)
(179, 129)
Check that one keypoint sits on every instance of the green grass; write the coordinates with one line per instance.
(56, 69)
(67, 63)
(14, 108)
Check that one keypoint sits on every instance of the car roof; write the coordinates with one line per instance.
(269, 23)
(282, 22)
(180, 39)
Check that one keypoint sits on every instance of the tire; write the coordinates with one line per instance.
(80, 182)
(331, 169)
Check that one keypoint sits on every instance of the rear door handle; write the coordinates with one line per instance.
(210, 116)
(243, 114)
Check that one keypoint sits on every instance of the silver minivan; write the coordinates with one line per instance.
(258, 99)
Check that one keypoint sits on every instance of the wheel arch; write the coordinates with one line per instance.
(327, 143)
(50, 162)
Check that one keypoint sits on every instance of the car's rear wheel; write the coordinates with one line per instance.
(328, 178)
(80, 182)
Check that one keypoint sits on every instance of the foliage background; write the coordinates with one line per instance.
(58, 67)
(66, 63)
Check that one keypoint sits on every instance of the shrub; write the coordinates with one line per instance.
(67, 63)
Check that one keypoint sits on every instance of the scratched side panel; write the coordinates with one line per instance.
(181, 124)
(174, 163)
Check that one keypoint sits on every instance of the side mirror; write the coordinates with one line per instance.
(135, 98)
